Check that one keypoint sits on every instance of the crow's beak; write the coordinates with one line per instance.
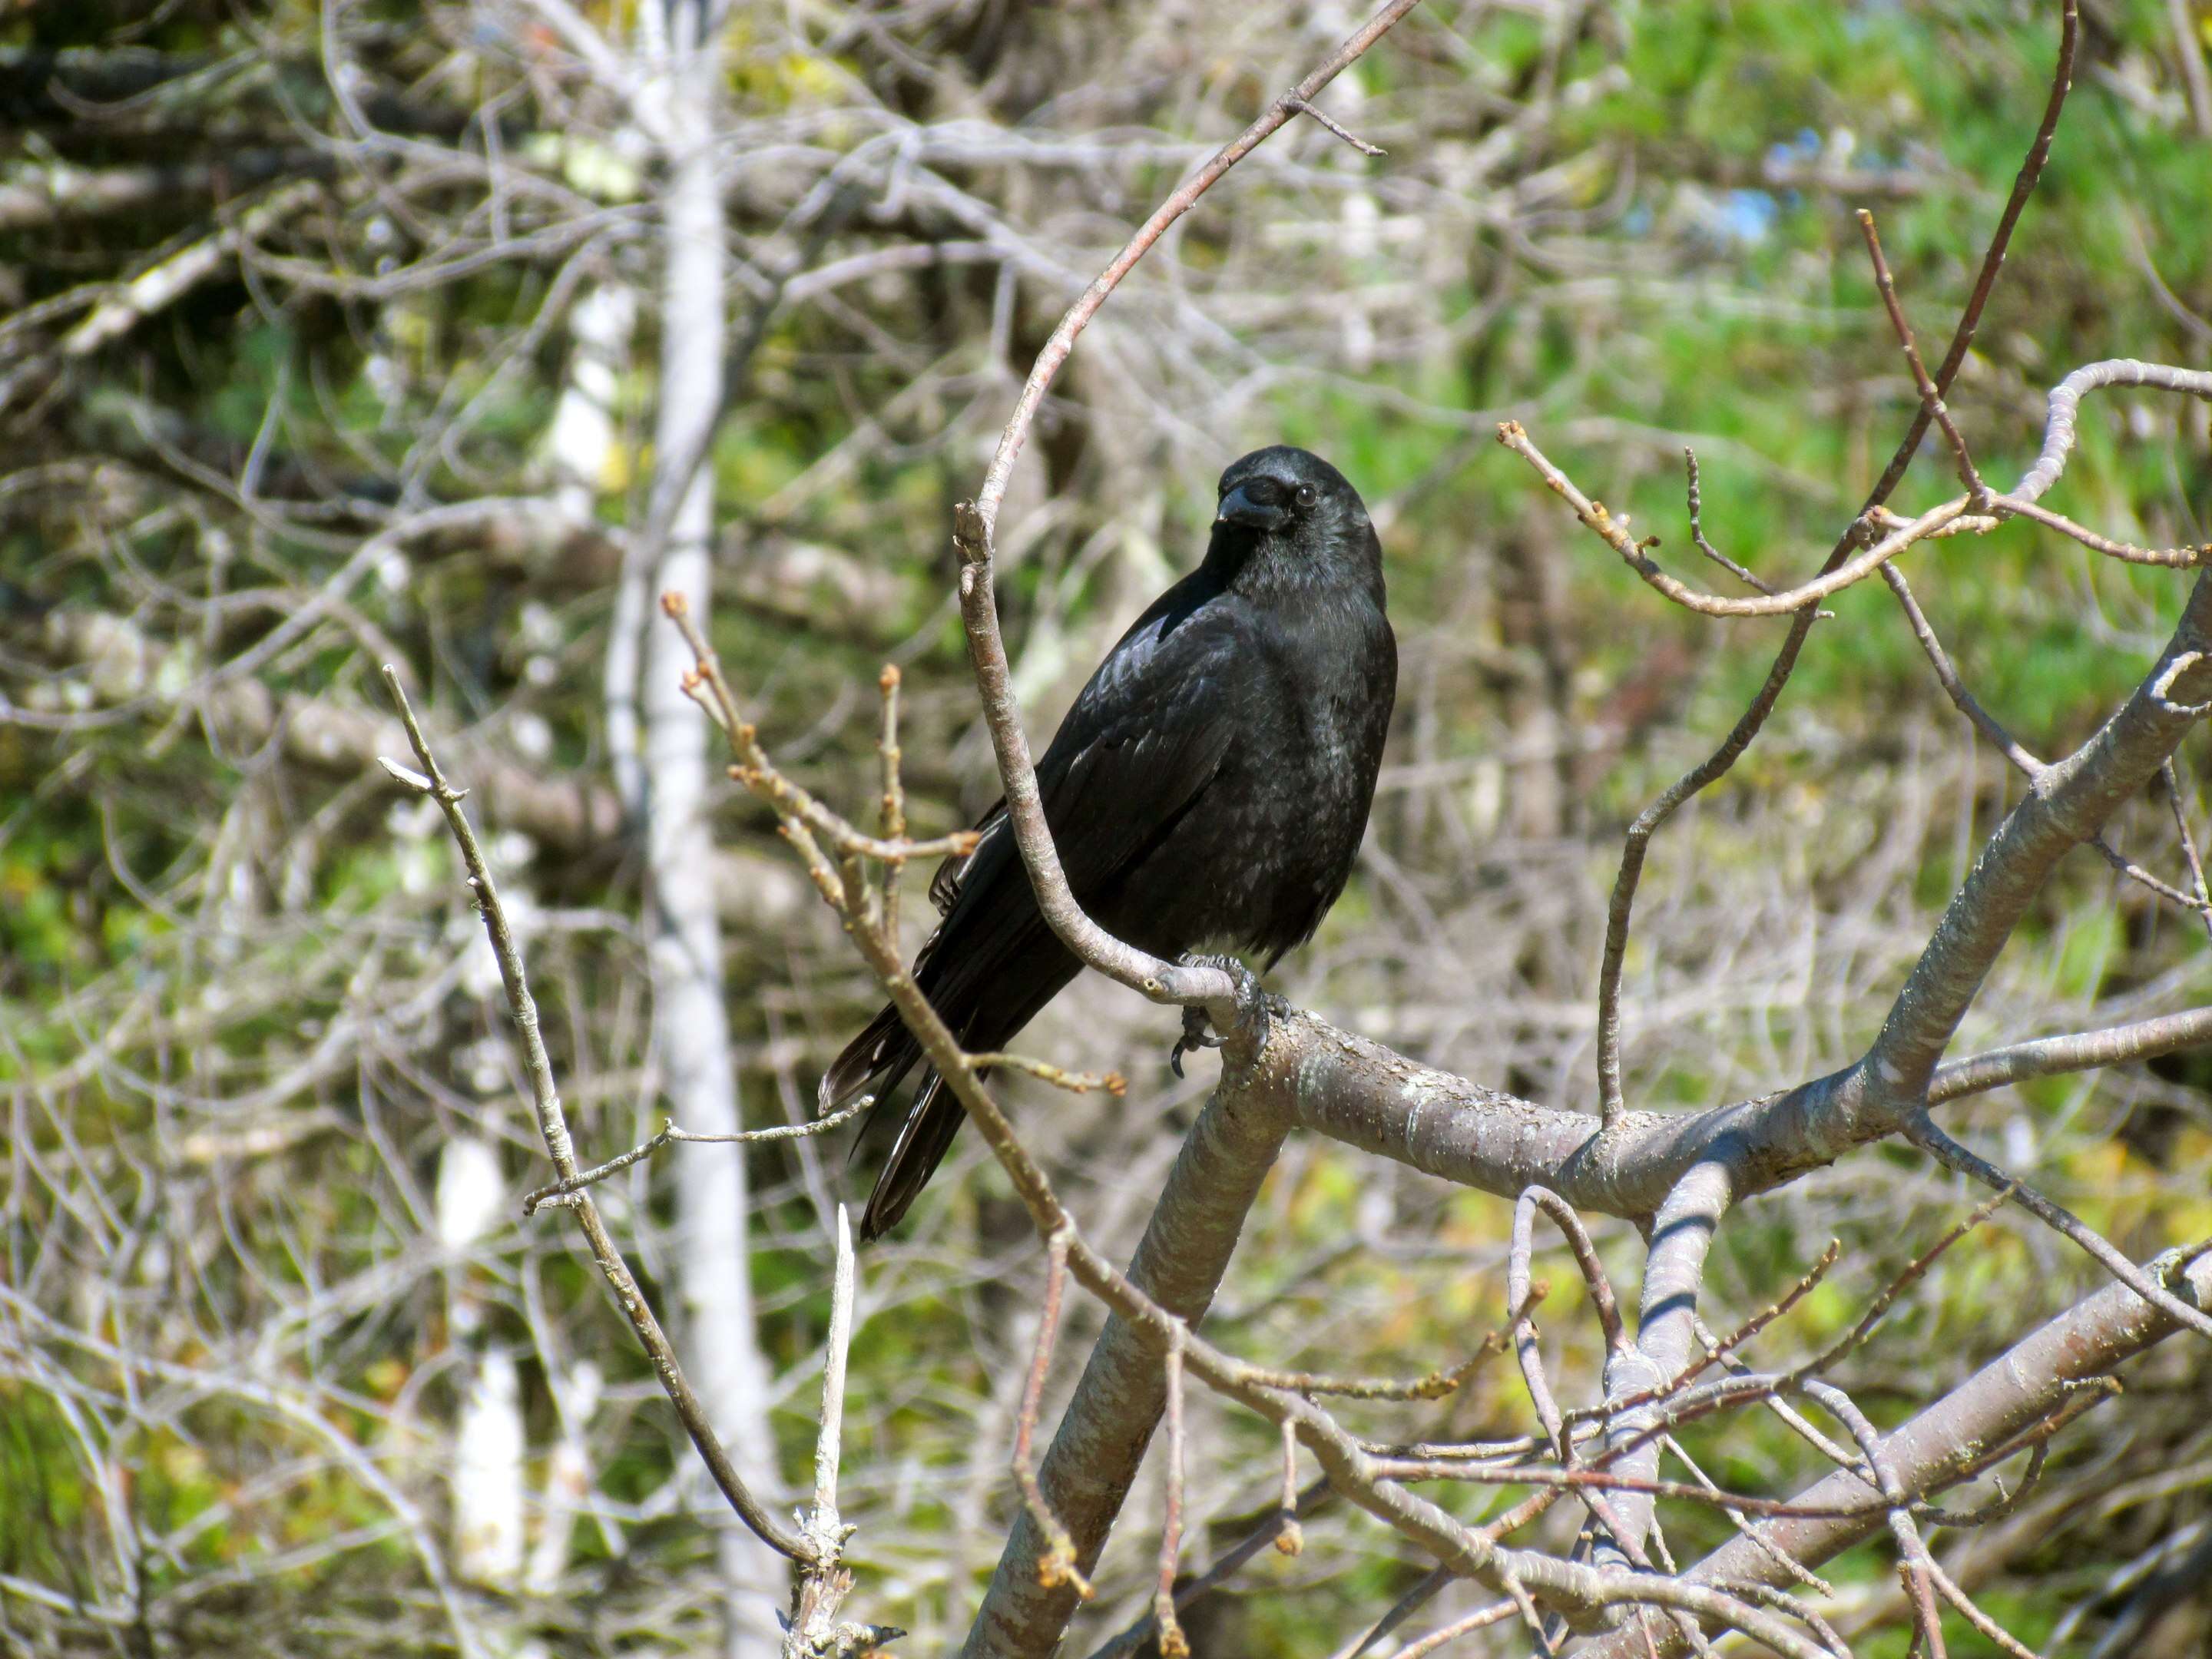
(1240, 508)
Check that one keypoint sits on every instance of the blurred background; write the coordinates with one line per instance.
(336, 336)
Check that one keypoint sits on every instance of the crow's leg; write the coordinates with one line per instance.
(1255, 1009)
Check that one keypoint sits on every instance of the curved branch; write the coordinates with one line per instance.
(2065, 402)
(1614, 533)
(973, 528)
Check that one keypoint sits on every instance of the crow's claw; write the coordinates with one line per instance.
(1255, 1010)
(1194, 1035)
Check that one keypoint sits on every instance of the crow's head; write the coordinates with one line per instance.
(1291, 512)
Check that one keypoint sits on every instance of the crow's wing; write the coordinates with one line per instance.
(1136, 753)
(945, 884)
(1143, 740)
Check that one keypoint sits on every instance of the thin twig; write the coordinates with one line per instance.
(1781, 1558)
(1930, 400)
(1397, 1614)
(1280, 1527)
(1697, 532)
(2173, 782)
(1768, 1595)
(1974, 1615)
(1636, 554)
(1495, 1613)
(1602, 1301)
(1076, 1083)
(552, 1123)
(1587, 1481)
(1998, 1508)
(2021, 758)
(892, 817)
(2166, 558)
(1915, 1566)
(1315, 113)
(710, 690)
(1719, 1349)
(1953, 688)
(1059, 1565)
(1437, 1385)
(1953, 1156)
(670, 1135)
(1172, 1641)
(1903, 1281)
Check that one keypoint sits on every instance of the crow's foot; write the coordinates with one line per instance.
(1256, 1009)
(1195, 1035)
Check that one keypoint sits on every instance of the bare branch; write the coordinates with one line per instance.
(2188, 843)
(2167, 558)
(1058, 1562)
(2065, 402)
(2035, 1377)
(1174, 1645)
(2055, 1055)
(1615, 534)
(1931, 400)
(1076, 1083)
(814, 1631)
(1695, 504)
(1952, 1156)
(552, 1123)
(1495, 1613)
(670, 1135)
(1323, 117)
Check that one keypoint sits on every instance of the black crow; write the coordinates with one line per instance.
(1209, 788)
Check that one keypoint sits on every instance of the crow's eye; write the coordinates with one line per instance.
(1308, 495)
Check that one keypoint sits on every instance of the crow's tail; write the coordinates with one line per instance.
(986, 991)
(878, 1062)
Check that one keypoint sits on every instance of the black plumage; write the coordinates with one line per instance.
(1208, 788)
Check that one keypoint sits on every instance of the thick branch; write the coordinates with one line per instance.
(2066, 804)
(2081, 1051)
(1673, 1275)
(1103, 1434)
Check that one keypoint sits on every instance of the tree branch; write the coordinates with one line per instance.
(2032, 1380)
(552, 1123)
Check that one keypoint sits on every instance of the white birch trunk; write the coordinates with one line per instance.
(581, 441)
(691, 1029)
(488, 1461)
